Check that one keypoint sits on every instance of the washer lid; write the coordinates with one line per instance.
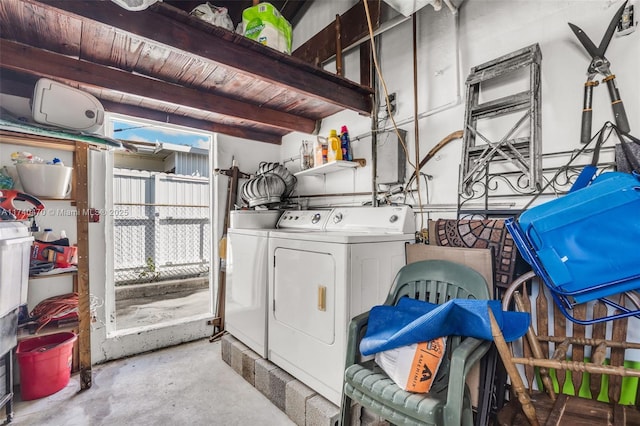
(256, 232)
(254, 219)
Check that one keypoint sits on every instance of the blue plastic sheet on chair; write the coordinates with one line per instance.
(414, 321)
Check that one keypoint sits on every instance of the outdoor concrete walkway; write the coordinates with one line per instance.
(153, 303)
(150, 310)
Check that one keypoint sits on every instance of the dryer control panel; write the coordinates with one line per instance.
(310, 220)
(385, 220)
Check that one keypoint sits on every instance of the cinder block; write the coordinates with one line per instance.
(278, 380)
(237, 350)
(369, 418)
(296, 398)
(262, 370)
(249, 359)
(225, 347)
(321, 412)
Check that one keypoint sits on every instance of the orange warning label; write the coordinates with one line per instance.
(425, 365)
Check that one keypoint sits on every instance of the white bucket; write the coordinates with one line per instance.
(45, 180)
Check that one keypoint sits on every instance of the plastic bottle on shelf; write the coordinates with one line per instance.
(309, 148)
(317, 153)
(325, 151)
(345, 143)
(306, 157)
(47, 235)
(334, 151)
(25, 157)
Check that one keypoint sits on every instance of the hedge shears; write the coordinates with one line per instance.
(600, 65)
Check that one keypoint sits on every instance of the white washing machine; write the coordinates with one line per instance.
(318, 281)
(246, 276)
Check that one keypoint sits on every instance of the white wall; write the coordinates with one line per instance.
(247, 155)
(488, 29)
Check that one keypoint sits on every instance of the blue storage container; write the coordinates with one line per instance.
(587, 242)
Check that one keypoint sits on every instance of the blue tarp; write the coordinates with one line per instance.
(414, 321)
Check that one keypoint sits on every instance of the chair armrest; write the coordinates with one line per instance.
(463, 358)
(356, 327)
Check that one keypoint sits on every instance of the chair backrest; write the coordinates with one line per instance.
(559, 340)
(437, 281)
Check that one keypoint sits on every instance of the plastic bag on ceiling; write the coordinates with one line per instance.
(215, 15)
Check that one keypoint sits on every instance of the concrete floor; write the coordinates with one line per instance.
(187, 384)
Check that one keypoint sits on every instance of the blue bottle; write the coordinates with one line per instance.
(345, 144)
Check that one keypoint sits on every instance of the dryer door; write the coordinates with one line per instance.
(307, 319)
(304, 289)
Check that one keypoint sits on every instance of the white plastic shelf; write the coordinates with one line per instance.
(331, 167)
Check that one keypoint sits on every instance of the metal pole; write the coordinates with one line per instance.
(374, 137)
(338, 46)
(416, 122)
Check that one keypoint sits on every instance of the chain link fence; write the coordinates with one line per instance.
(162, 230)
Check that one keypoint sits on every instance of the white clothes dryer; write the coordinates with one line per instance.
(318, 281)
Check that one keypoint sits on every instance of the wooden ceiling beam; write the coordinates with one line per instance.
(180, 120)
(281, 70)
(21, 85)
(353, 28)
(16, 84)
(43, 63)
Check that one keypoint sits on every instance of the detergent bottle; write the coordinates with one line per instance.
(345, 142)
(334, 149)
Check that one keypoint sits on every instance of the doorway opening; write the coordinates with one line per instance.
(160, 224)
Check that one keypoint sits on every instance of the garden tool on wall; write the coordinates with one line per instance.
(600, 65)
(232, 191)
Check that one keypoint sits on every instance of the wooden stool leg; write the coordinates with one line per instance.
(516, 380)
(536, 349)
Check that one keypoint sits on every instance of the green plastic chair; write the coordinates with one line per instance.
(448, 403)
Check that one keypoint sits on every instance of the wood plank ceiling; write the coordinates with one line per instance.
(165, 65)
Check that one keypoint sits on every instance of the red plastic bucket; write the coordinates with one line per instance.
(45, 364)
